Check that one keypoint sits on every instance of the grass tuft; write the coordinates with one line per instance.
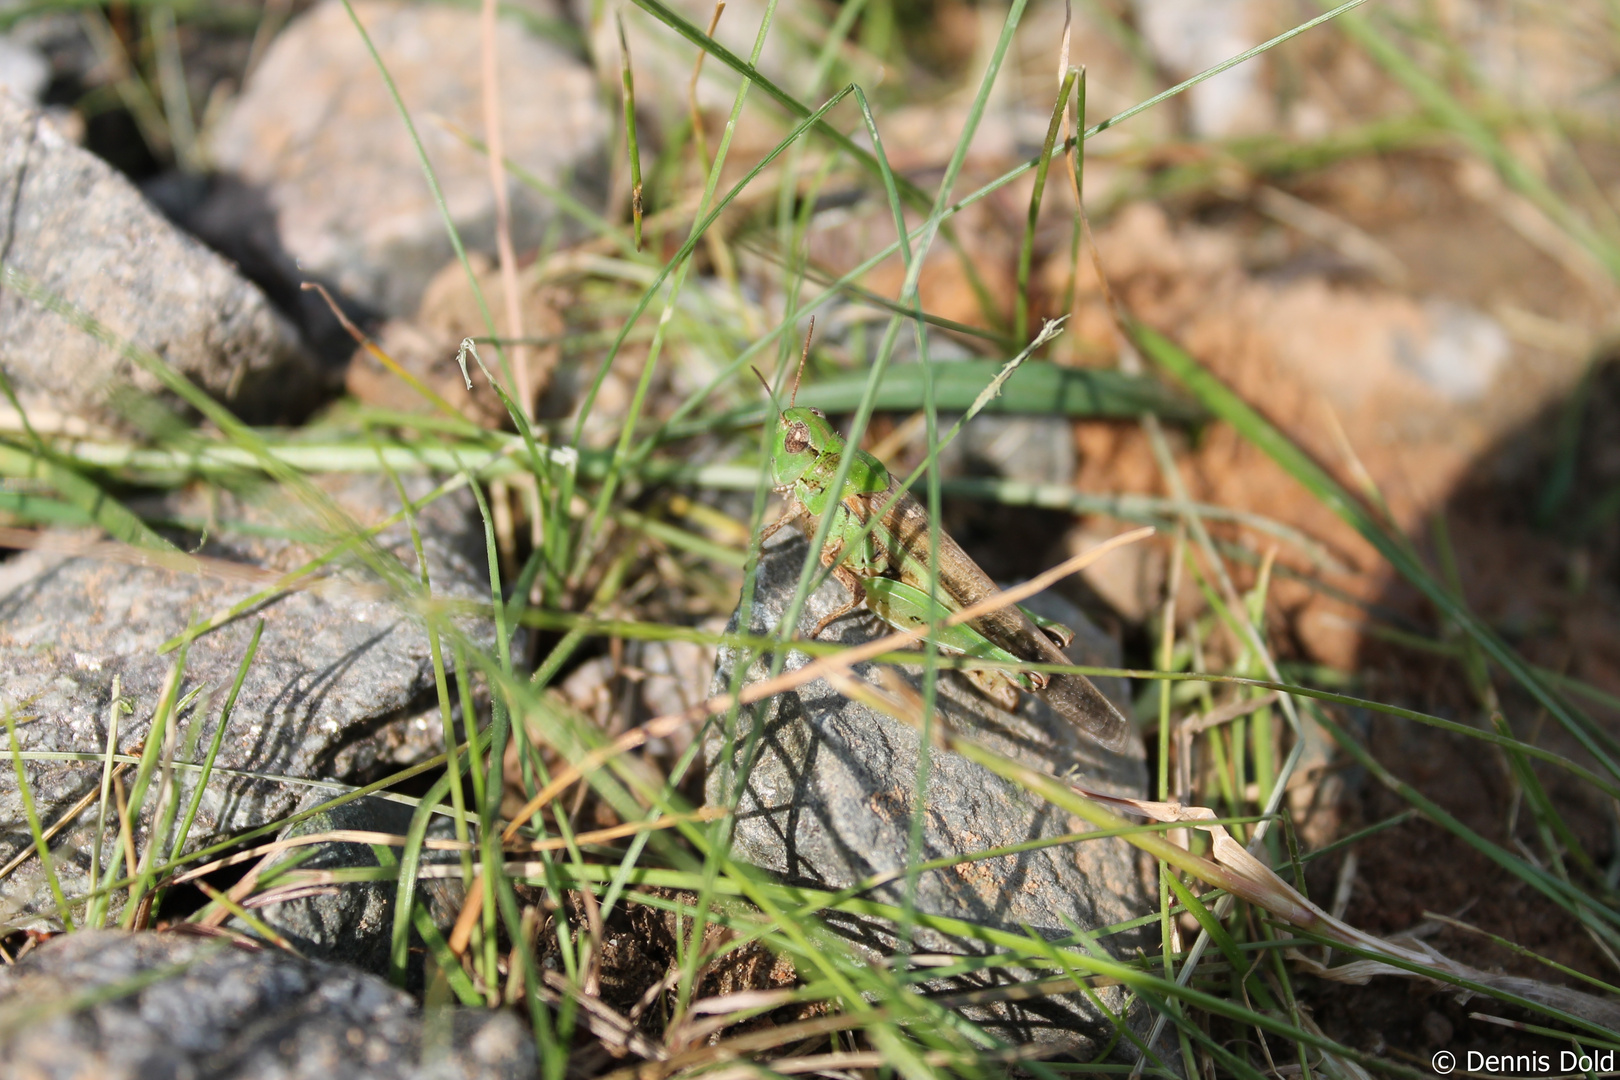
(632, 523)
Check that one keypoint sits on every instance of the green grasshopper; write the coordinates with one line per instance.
(887, 570)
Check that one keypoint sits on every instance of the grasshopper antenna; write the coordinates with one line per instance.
(804, 354)
(762, 381)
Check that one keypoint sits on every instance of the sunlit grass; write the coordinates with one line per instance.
(1228, 977)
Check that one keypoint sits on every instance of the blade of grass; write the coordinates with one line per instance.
(156, 737)
(680, 265)
(41, 846)
(254, 923)
(96, 914)
(434, 189)
(59, 472)
(1026, 250)
(171, 77)
(628, 83)
(132, 90)
(1034, 390)
(214, 744)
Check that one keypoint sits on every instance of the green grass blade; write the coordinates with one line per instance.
(1224, 65)
(409, 860)
(96, 915)
(1026, 251)
(143, 777)
(433, 188)
(214, 744)
(41, 848)
(676, 265)
(96, 505)
(1033, 390)
(628, 81)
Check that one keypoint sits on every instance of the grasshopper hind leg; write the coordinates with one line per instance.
(996, 686)
(795, 513)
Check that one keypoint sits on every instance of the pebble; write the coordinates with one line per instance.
(1189, 38)
(317, 129)
(24, 71)
(352, 923)
(1461, 354)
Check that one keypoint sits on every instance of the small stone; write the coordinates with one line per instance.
(167, 1004)
(1025, 449)
(1189, 38)
(318, 129)
(829, 803)
(1437, 1029)
(1461, 354)
(1130, 579)
(81, 234)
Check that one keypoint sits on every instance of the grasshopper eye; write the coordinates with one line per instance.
(819, 413)
(797, 440)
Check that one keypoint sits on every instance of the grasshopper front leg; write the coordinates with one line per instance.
(850, 580)
(794, 511)
(830, 554)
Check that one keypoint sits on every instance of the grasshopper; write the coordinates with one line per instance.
(887, 570)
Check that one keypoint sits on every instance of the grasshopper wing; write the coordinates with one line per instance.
(910, 535)
(1077, 699)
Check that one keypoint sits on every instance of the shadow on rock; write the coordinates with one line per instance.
(237, 220)
(827, 799)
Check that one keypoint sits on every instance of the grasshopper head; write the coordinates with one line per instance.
(802, 436)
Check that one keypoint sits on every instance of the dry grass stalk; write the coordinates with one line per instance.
(1241, 874)
(361, 836)
(529, 385)
(61, 823)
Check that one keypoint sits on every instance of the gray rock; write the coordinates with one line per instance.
(351, 923)
(342, 686)
(81, 234)
(829, 802)
(172, 1005)
(316, 127)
